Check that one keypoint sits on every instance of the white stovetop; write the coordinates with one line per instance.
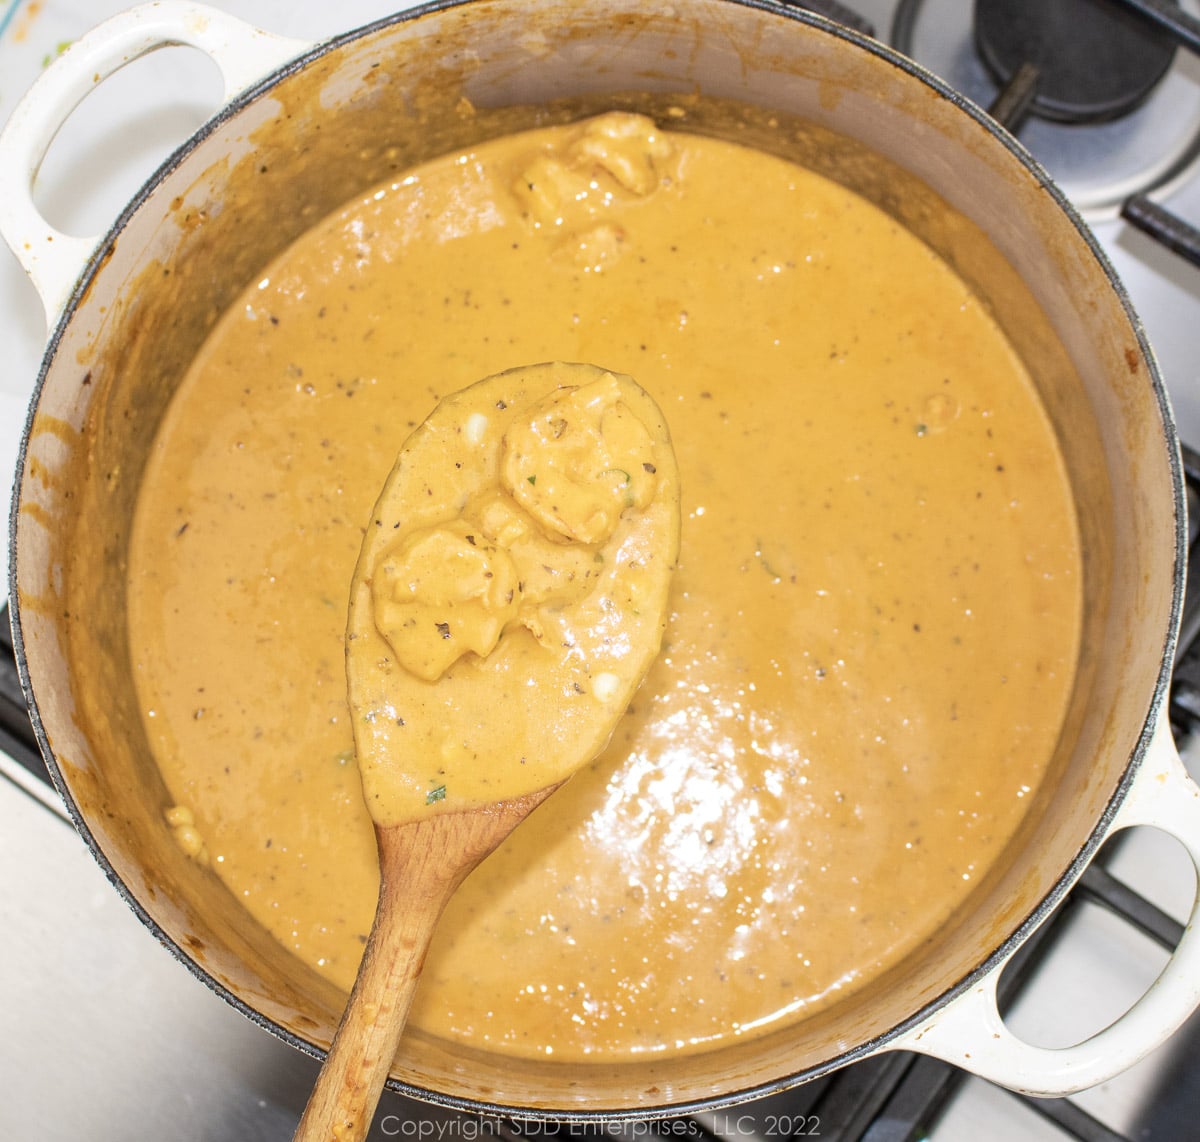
(104, 1036)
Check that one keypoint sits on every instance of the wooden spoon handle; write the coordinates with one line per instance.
(421, 864)
(347, 1090)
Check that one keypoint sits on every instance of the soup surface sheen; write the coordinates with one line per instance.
(873, 625)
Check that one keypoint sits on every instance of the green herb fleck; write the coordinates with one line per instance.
(59, 48)
(531, 479)
(435, 795)
(922, 429)
(616, 472)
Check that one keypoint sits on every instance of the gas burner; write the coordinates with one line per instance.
(1096, 59)
(1135, 101)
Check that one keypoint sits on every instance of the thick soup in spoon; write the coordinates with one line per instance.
(511, 590)
(873, 627)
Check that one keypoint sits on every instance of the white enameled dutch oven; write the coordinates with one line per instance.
(306, 127)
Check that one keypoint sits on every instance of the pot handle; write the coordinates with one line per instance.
(243, 54)
(969, 1031)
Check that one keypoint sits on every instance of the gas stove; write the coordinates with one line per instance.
(107, 1036)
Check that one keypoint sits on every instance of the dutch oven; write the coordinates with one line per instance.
(307, 127)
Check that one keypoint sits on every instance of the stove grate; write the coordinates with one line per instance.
(1060, 85)
(16, 733)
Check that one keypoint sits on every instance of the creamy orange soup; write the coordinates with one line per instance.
(873, 625)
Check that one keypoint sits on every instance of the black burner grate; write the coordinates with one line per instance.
(16, 734)
(1096, 60)
(1039, 52)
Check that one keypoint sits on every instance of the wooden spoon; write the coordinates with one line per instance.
(510, 595)
(421, 864)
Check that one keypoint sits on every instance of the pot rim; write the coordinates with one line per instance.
(999, 954)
